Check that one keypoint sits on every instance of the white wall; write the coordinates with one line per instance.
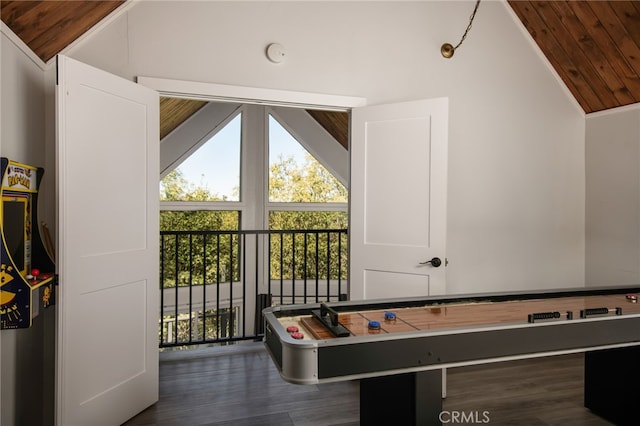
(613, 197)
(22, 129)
(516, 147)
(26, 355)
(516, 214)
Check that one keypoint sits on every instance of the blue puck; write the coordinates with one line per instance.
(389, 316)
(374, 325)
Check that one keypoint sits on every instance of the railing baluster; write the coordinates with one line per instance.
(293, 267)
(243, 280)
(204, 287)
(177, 283)
(281, 268)
(218, 288)
(162, 249)
(190, 288)
(257, 277)
(317, 269)
(328, 268)
(306, 250)
(269, 264)
(339, 264)
(230, 311)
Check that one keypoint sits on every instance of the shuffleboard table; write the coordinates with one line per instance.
(398, 348)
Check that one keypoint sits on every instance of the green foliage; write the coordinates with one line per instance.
(174, 187)
(301, 220)
(199, 220)
(309, 182)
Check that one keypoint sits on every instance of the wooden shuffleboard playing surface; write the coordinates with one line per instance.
(461, 315)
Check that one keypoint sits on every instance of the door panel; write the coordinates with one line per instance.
(382, 284)
(398, 199)
(108, 171)
(393, 160)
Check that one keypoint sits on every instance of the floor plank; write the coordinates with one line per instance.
(239, 385)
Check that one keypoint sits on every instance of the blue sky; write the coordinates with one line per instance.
(216, 164)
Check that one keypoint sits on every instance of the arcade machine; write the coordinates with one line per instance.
(27, 276)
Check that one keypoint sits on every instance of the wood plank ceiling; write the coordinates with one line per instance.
(47, 27)
(594, 46)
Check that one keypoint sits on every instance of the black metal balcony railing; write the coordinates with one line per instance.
(214, 284)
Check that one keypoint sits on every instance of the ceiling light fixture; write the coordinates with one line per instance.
(447, 49)
(275, 53)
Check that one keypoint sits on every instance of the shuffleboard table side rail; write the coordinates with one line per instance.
(356, 305)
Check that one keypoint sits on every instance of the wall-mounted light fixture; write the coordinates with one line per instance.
(448, 49)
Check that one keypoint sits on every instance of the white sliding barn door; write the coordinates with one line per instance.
(107, 186)
(398, 199)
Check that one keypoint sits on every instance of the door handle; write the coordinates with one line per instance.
(435, 262)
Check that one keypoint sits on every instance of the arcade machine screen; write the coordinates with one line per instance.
(13, 223)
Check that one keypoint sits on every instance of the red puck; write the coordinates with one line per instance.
(297, 335)
(292, 329)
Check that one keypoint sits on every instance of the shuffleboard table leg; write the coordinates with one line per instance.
(610, 386)
(402, 399)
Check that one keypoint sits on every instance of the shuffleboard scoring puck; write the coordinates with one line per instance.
(374, 325)
(389, 316)
(292, 329)
(297, 335)
(632, 297)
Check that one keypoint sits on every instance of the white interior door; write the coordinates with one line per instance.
(107, 186)
(398, 199)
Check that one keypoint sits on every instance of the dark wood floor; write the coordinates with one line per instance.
(239, 385)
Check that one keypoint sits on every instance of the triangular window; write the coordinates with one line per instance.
(295, 176)
(211, 173)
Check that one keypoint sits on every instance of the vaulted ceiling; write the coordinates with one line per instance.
(594, 46)
(47, 27)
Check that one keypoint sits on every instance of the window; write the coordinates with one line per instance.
(295, 176)
(254, 173)
(190, 193)
(211, 173)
